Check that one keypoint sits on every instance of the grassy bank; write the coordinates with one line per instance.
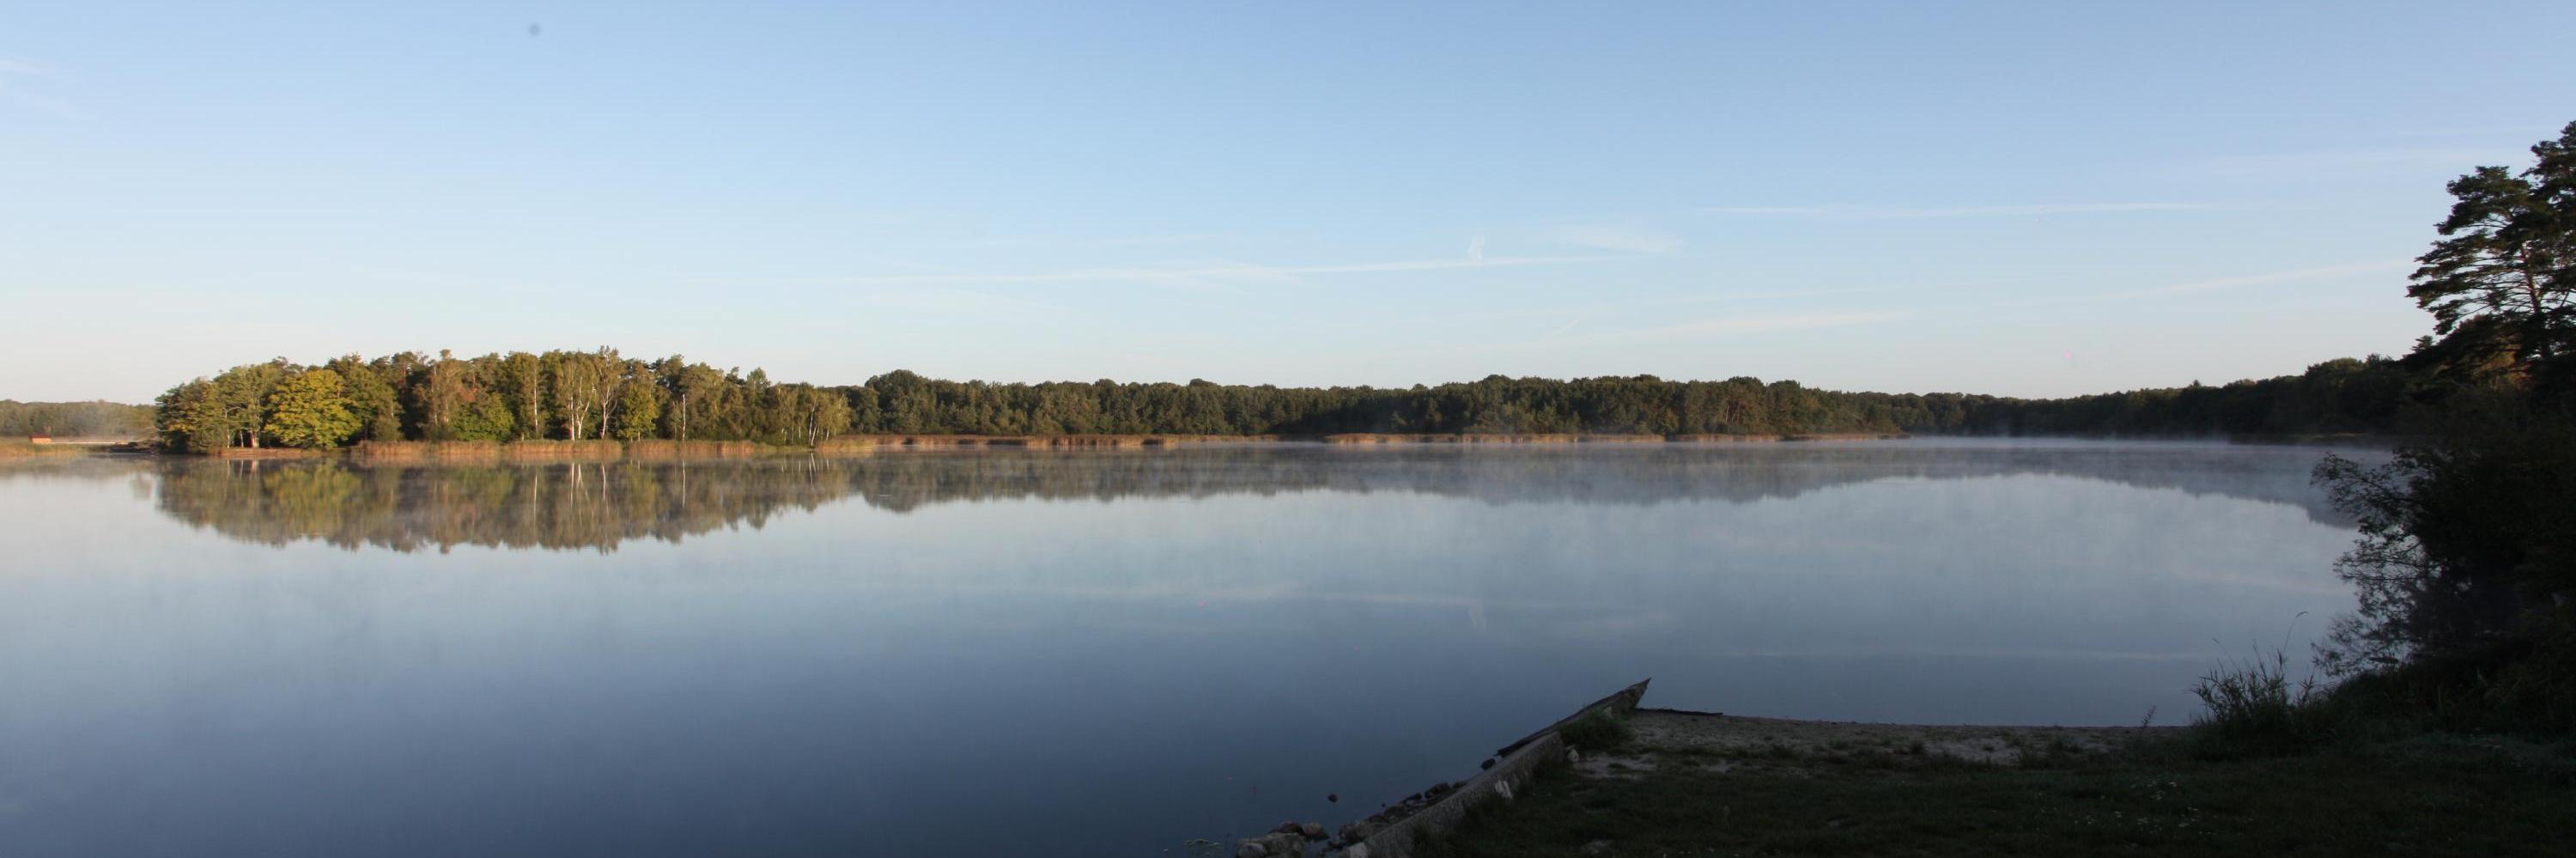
(1042, 442)
(1586, 438)
(562, 451)
(25, 450)
(1696, 784)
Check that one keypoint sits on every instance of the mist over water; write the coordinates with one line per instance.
(995, 652)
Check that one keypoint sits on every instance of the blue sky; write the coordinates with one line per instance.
(2029, 199)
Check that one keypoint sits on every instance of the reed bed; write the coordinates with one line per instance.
(1486, 438)
(562, 451)
(846, 445)
(665, 449)
(465, 451)
(265, 453)
(395, 451)
(1052, 442)
(1725, 438)
(25, 450)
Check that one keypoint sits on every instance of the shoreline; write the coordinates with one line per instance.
(665, 449)
(1674, 782)
(1618, 739)
(657, 449)
(652, 449)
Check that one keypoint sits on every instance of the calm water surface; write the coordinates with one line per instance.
(1110, 653)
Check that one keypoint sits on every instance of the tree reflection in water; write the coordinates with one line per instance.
(599, 505)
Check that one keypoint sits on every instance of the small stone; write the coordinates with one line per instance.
(1287, 828)
(1354, 832)
(1489, 763)
(1251, 849)
(1573, 756)
(1284, 844)
(1311, 830)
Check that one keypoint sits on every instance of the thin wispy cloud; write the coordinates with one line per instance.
(2532, 131)
(956, 301)
(1771, 294)
(1766, 323)
(16, 72)
(1186, 273)
(21, 66)
(1620, 237)
(1042, 241)
(1705, 328)
(2344, 163)
(1555, 320)
(1891, 212)
(1557, 340)
(2383, 266)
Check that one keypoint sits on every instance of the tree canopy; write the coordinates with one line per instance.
(2466, 569)
(582, 395)
(74, 419)
(310, 409)
(2508, 253)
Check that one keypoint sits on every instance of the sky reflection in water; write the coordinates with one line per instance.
(983, 653)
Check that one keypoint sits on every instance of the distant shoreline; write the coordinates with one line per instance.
(662, 450)
(667, 450)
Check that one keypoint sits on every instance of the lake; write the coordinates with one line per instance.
(1098, 653)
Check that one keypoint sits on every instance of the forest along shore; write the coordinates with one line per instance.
(601, 396)
(663, 449)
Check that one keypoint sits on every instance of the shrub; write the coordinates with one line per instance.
(1599, 731)
(2254, 709)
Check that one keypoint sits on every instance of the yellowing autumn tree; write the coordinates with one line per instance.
(311, 410)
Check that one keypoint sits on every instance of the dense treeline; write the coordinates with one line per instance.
(904, 402)
(2339, 396)
(74, 419)
(2343, 396)
(590, 395)
(570, 395)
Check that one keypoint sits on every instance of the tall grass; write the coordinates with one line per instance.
(23, 450)
(1599, 731)
(2255, 709)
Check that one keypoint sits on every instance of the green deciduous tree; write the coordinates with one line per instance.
(186, 418)
(310, 409)
(372, 399)
(522, 381)
(488, 417)
(639, 411)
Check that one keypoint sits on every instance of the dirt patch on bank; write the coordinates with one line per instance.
(1726, 743)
